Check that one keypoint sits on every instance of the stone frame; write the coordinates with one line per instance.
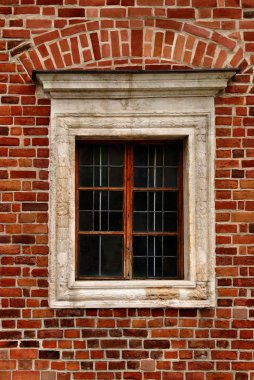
(159, 105)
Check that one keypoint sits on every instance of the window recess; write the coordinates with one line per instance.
(129, 210)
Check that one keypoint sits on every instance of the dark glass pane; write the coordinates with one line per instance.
(86, 154)
(100, 200)
(86, 221)
(140, 245)
(103, 206)
(155, 201)
(155, 246)
(156, 165)
(155, 155)
(170, 221)
(88, 253)
(140, 177)
(116, 154)
(85, 200)
(171, 155)
(100, 154)
(156, 177)
(115, 200)
(115, 221)
(111, 255)
(139, 267)
(100, 176)
(100, 256)
(86, 176)
(152, 252)
(116, 176)
(140, 155)
(100, 221)
(155, 221)
(139, 221)
(170, 246)
(154, 267)
(101, 165)
(169, 267)
(158, 219)
(170, 201)
(140, 201)
(170, 177)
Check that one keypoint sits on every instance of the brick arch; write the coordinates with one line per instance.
(167, 43)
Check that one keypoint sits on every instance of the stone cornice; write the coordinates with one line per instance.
(133, 85)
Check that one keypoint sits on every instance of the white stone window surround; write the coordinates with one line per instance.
(133, 106)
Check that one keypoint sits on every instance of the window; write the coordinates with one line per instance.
(129, 213)
(136, 111)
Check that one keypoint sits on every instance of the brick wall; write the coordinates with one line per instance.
(38, 343)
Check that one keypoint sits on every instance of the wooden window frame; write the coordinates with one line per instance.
(128, 190)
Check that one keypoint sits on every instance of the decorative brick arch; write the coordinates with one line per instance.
(99, 45)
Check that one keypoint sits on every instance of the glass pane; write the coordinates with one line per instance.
(156, 165)
(140, 221)
(170, 246)
(86, 176)
(170, 201)
(170, 221)
(140, 245)
(154, 267)
(100, 154)
(101, 165)
(100, 210)
(116, 176)
(156, 177)
(171, 155)
(101, 176)
(153, 252)
(111, 255)
(100, 256)
(115, 221)
(156, 155)
(155, 221)
(115, 200)
(170, 177)
(88, 263)
(139, 267)
(140, 200)
(86, 200)
(116, 154)
(140, 155)
(169, 267)
(86, 221)
(86, 154)
(155, 211)
(140, 177)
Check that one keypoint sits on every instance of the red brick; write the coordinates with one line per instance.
(227, 13)
(24, 375)
(137, 42)
(169, 24)
(219, 376)
(181, 13)
(24, 353)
